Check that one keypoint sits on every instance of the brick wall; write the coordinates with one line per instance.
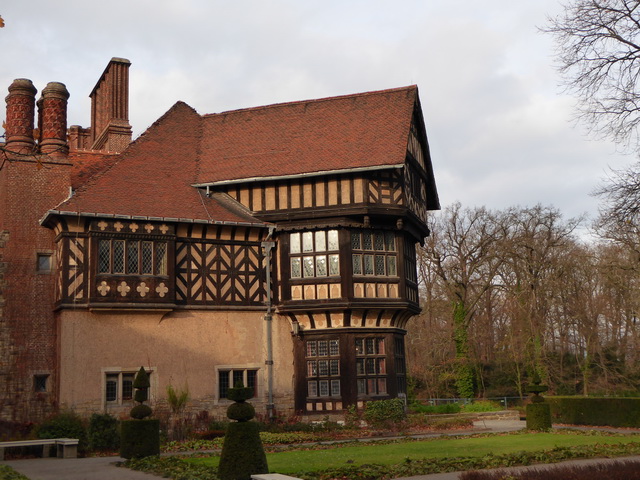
(27, 321)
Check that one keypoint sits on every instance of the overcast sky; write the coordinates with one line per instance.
(499, 126)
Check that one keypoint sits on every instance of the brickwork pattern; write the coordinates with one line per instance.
(27, 324)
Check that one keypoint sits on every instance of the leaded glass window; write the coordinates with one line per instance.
(371, 366)
(310, 254)
(374, 253)
(323, 367)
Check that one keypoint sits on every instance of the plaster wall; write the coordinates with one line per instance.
(182, 348)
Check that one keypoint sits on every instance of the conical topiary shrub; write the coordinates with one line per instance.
(242, 452)
(140, 437)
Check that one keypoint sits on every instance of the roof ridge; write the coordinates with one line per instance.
(314, 100)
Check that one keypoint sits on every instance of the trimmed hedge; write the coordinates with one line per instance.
(140, 438)
(611, 412)
(242, 453)
(538, 416)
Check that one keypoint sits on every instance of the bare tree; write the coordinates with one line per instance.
(619, 212)
(599, 55)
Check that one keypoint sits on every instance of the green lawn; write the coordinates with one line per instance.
(394, 453)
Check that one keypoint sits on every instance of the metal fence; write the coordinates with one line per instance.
(507, 402)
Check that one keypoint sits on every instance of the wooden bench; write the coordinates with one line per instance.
(65, 447)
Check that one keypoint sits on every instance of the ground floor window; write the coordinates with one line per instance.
(323, 367)
(233, 376)
(401, 366)
(371, 366)
(118, 386)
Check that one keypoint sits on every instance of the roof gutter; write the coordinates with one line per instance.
(297, 175)
(44, 220)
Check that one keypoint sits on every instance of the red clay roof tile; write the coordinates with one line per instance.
(154, 176)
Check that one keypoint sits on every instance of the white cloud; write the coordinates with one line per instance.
(499, 130)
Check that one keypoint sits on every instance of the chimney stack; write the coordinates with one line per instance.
(110, 128)
(52, 120)
(20, 116)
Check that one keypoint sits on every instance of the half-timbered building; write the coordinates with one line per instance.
(272, 245)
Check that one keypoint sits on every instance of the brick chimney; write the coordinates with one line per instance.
(20, 117)
(110, 128)
(52, 120)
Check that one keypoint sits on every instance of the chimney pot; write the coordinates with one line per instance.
(53, 120)
(20, 116)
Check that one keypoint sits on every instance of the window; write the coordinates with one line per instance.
(119, 386)
(371, 366)
(44, 262)
(132, 257)
(323, 368)
(40, 383)
(230, 377)
(374, 253)
(314, 254)
(400, 364)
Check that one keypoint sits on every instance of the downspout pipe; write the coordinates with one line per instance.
(268, 247)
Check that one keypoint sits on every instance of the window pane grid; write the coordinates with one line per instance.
(104, 256)
(374, 253)
(371, 366)
(309, 256)
(161, 258)
(147, 258)
(118, 256)
(323, 371)
(132, 257)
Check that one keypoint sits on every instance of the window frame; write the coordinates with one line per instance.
(42, 254)
(323, 368)
(231, 370)
(372, 367)
(374, 253)
(314, 254)
(120, 374)
(110, 263)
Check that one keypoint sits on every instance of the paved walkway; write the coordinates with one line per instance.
(106, 468)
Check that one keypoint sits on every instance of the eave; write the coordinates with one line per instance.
(298, 175)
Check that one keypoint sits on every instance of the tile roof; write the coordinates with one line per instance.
(154, 176)
(87, 163)
(353, 131)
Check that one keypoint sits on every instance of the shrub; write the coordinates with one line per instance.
(538, 416)
(242, 453)
(140, 438)
(385, 413)
(103, 432)
(613, 412)
(8, 473)
(64, 425)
